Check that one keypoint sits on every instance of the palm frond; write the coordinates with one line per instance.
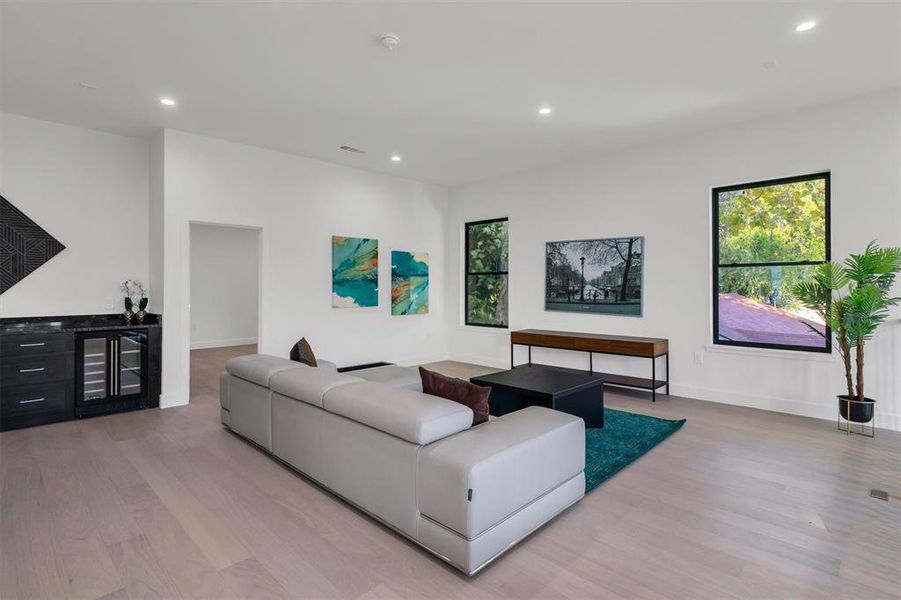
(835, 316)
(814, 295)
(831, 275)
(876, 265)
(866, 309)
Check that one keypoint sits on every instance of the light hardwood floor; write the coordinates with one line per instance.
(167, 504)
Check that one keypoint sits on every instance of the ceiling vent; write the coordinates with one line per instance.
(352, 150)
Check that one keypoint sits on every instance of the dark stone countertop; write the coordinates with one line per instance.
(72, 323)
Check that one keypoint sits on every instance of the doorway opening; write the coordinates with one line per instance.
(224, 307)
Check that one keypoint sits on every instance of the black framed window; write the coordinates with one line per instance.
(767, 237)
(486, 273)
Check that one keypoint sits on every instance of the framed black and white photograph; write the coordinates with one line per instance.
(601, 276)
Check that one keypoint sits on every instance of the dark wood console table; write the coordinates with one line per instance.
(595, 343)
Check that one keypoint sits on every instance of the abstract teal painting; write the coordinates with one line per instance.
(409, 283)
(355, 272)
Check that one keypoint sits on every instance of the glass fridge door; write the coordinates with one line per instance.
(131, 378)
(95, 369)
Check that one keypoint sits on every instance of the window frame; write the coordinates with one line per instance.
(825, 175)
(467, 272)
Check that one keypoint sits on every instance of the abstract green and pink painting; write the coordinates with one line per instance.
(409, 283)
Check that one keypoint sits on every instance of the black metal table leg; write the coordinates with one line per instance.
(591, 362)
(530, 355)
(654, 379)
(667, 373)
(511, 355)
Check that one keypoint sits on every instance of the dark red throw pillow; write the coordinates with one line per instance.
(303, 353)
(467, 394)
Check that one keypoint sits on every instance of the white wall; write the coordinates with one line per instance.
(103, 196)
(155, 216)
(89, 190)
(298, 204)
(225, 285)
(663, 192)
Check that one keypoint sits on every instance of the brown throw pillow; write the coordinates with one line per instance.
(467, 394)
(302, 353)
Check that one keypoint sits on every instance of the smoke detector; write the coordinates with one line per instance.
(389, 41)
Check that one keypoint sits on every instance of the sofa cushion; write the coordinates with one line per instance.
(412, 416)
(468, 394)
(399, 377)
(259, 368)
(307, 384)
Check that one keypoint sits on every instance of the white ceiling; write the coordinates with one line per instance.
(458, 98)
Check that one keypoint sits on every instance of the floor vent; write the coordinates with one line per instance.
(879, 494)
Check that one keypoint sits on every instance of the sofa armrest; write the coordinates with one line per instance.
(473, 480)
(259, 368)
(224, 400)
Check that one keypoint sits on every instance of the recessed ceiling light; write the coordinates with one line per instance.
(389, 41)
(395, 158)
(544, 110)
(167, 101)
(806, 26)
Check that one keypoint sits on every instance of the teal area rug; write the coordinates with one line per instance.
(625, 438)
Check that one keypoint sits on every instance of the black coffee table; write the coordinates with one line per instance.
(571, 391)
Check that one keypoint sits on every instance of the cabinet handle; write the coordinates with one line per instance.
(32, 345)
(30, 401)
(35, 370)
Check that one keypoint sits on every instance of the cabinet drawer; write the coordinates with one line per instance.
(47, 398)
(39, 368)
(30, 344)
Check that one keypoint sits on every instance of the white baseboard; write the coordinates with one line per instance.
(422, 359)
(223, 343)
(172, 399)
(483, 361)
(826, 411)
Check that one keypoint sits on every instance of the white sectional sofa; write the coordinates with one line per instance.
(411, 460)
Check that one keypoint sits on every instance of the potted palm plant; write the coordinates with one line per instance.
(853, 298)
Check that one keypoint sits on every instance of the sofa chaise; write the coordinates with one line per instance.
(411, 460)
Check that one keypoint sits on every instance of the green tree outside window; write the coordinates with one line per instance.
(487, 256)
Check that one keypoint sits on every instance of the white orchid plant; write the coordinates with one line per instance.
(135, 295)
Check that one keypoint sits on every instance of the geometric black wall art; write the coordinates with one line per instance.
(24, 245)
